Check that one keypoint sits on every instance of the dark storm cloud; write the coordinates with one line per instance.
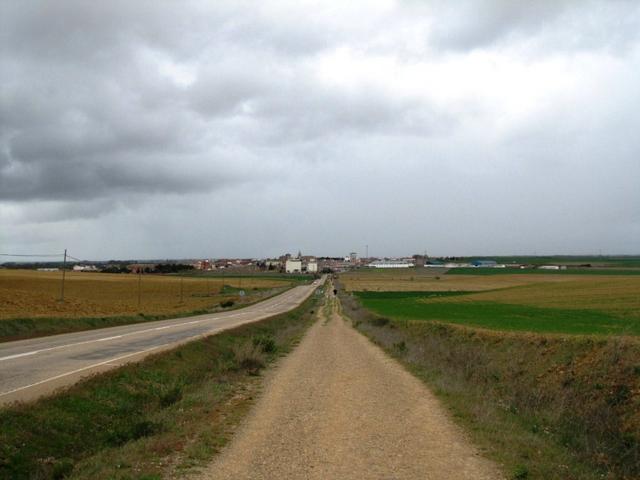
(87, 102)
(83, 114)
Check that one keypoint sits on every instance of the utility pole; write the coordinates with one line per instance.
(139, 287)
(64, 269)
(367, 250)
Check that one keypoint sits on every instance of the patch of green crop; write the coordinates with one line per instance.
(537, 271)
(622, 261)
(496, 316)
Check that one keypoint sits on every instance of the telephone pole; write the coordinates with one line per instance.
(139, 287)
(64, 269)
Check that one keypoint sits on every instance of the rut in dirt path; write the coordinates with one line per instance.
(339, 408)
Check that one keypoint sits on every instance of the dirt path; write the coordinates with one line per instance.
(339, 408)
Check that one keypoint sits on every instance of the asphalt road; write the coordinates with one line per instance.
(36, 367)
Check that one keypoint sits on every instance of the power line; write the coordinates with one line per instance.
(30, 255)
(34, 255)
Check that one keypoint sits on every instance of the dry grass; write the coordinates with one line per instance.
(32, 294)
(619, 296)
(433, 280)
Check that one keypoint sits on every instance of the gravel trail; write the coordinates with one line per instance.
(340, 408)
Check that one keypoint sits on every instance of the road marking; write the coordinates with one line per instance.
(109, 338)
(79, 370)
(252, 309)
(256, 312)
(18, 355)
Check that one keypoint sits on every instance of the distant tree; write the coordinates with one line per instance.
(172, 267)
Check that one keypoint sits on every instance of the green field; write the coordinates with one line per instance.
(616, 261)
(536, 271)
(463, 308)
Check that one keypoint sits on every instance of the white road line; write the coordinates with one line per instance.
(265, 308)
(18, 355)
(108, 338)
(79, 370)
(137, 332)
(265, 313)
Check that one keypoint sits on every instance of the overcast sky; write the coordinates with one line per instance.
(156, 129)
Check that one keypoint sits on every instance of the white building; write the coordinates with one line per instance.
(390, 264)
(312, 267)
(85, 268)
(293, 265)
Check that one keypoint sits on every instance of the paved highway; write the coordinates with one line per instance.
(31, 368)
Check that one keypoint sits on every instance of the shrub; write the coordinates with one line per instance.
(227, 303)
(379, 321)
(249, 357)
(266, 343)
(62, 468)
(171, 396)
(400, 346)
(520, 473)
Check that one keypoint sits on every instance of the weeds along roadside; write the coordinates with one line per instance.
(24, 328)
(160, 417)
(545, 406)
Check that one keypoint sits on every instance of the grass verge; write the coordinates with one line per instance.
(156, 418)
(23, 328)
(544, 406)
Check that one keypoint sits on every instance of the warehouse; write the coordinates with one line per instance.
(390, 264)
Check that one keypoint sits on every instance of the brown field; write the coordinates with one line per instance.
(32, 294)
(617, 295)
(433, 280)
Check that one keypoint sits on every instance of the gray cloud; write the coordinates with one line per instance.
(479, 127)
(591, 24)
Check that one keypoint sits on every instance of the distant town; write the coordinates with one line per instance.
(285, 264)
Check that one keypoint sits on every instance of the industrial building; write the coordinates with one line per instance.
(484, 263)
(390, 264)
